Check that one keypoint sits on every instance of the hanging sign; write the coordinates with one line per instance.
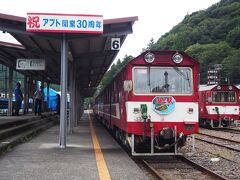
(30, 64)
(67, 23)
(163, 104)
(115, 44)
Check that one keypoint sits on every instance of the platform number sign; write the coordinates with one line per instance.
(115, 44)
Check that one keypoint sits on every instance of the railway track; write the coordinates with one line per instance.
(198, 166)
(178, 167)
(229, 130)
(221, 142)
(218, 137)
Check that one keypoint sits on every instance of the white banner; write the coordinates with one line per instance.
(67, 23)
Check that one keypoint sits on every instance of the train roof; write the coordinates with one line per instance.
(158, 51)
(168, 52)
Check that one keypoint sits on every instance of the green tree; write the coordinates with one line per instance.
(114, 70)
(208, 54)
(233, 37)
(231, 66)
(150, 46)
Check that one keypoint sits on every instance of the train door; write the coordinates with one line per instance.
(122, 104)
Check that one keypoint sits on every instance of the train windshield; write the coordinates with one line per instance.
(164, 80)
(227, 96)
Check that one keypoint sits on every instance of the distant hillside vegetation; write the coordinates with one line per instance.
(212, 36)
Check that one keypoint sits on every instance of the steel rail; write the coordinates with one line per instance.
(201, 168)
(217, 137)
(185, 160)
(230, 130)
(220, 145)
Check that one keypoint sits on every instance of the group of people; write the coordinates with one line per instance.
(38, 100)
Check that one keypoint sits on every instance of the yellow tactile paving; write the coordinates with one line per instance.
(101, 164)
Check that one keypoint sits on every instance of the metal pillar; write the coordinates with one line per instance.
(5, 82)
(25, 95)
(10, 88)
(42, 84)
(175, 139)
(73, 97)
(152, 140)
(76, 111)
(75, 104)
(132, 144)
(63, 103)
(70, 119)
(48, 84)
(193, 142)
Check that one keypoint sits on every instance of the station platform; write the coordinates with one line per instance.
(91, 153)
(29, 116)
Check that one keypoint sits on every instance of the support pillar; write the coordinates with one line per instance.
(48, 84)
(10, 91)
(73, 102)
(25, 95)
(76, 104)
(63, 103)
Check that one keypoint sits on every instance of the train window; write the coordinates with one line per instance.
(227, 96)
(166, 80)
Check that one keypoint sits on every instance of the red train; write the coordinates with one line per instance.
(152, 102)
(218, 105)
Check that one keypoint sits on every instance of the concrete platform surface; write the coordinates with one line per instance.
(43, 159)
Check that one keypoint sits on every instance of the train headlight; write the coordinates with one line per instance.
(177, 58)
(149, 57)
(230, 87)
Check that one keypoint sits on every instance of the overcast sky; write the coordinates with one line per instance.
(156, 17)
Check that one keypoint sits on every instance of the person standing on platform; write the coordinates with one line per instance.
(18, 98)
(39, 99)
(58, 103)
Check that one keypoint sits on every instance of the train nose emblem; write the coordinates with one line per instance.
(163, 104)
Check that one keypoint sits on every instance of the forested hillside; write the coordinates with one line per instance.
(212, 36)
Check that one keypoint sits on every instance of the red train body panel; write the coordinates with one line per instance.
(161, 96)
(218, 105)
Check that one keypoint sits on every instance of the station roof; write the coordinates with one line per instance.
(92, 54)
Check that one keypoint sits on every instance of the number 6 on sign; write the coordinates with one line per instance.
(115, 44)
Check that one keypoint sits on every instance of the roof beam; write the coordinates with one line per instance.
(20, 28)
(94, 54)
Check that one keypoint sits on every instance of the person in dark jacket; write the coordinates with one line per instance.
(18, 98)
(58, 103)
(39, 99)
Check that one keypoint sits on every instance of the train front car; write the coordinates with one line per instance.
(218, 105)
(162, 108)
(152, 104)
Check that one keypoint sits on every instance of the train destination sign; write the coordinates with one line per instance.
(66, 23)
(30, 64)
